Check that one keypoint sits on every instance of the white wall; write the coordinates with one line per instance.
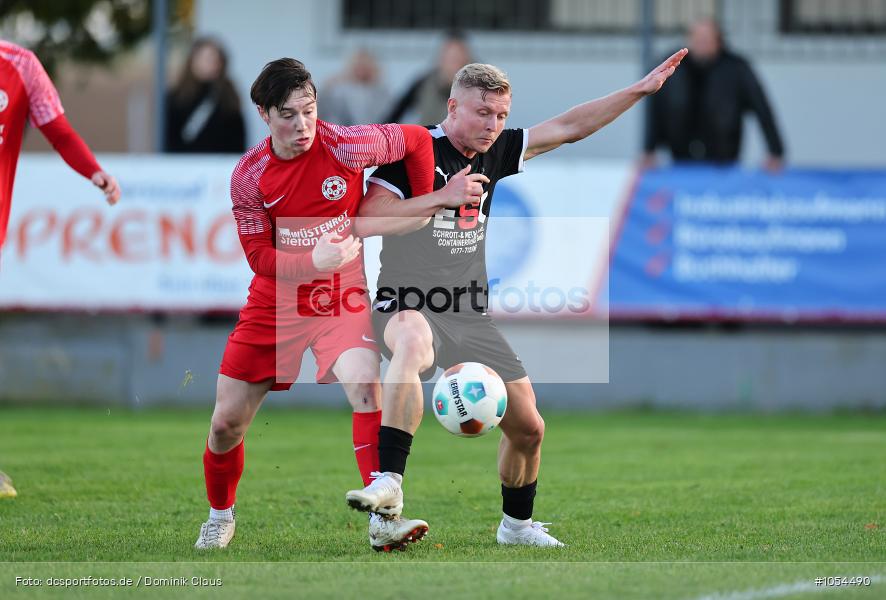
(830, 111)
(830, 114)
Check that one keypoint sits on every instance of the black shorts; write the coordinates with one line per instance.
(458, 338)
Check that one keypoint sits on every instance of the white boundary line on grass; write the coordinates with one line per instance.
(784, 589)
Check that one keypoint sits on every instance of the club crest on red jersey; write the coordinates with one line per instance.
(334, 188)
(4, 100)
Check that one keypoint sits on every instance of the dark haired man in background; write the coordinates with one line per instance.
(698, 116)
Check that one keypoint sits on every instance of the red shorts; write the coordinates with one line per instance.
(260, 348)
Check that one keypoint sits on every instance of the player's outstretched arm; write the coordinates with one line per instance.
(45, 109)
(585, 119)
(382, 212)
(71, 147)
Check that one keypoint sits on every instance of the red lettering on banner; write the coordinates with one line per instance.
(28, 235)
(234, 251)
(133, 235)
(179, 229)
(127, 244)
(79, 239)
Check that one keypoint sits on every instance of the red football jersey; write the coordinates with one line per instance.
(25, 92)
(300, 199)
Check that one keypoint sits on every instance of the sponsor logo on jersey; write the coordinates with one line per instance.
(310, 234)
(4, 100)
(334, 188)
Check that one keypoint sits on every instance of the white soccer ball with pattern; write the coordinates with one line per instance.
(469, 399)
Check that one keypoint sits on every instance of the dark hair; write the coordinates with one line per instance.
(188, 88)
(278, 80)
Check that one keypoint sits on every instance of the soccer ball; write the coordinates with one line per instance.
(469, 399)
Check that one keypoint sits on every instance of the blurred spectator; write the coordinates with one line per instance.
(429, 93)
(203, 109)
(356, 96)
(698, 114)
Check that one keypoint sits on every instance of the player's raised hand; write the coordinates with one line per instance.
(108, 185)
(463, 188)
(332, 251)
(656, 78)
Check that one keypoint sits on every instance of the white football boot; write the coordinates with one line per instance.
(215, 533)
(535, 534)
(384, 495)
(6, 489)
(394, 533)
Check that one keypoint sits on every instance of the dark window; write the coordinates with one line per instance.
(593, 16)
(830, 17)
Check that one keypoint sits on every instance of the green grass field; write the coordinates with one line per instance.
(652, 505)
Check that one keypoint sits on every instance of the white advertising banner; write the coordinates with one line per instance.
(171, 242)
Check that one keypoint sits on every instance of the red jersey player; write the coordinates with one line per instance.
(27, 93)
(294, 197)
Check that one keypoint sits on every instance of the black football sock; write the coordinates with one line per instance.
(517, 503)
(393, 449)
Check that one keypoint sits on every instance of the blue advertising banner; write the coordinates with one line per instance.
(709, 242)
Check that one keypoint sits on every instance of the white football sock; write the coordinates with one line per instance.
(512, 523)
(226, 514)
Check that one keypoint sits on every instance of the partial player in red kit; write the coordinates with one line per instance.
(295, 196)
(26, 92)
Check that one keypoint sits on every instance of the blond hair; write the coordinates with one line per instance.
(488, 78)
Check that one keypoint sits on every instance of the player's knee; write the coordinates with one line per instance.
(225, 429)
(362, 376)
(365, 395)
(538, 432)
(415, 348)
(535, 432)
(531, 433)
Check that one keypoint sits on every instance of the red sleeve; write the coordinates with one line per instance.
(70, 146)
(254, 224)
(44, 105)
(419, 159)
(266, 260)
(364, 146)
